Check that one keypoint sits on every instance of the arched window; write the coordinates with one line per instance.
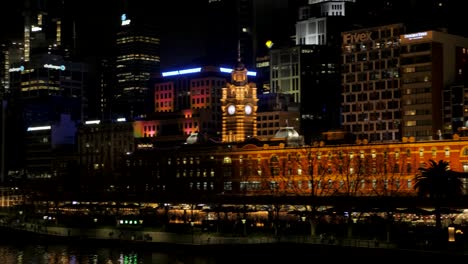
(299, 170)
(227, 160)
(447, 152)
(465, 152)
(408, 153)
(274, 165)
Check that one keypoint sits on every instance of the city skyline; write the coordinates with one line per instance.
(184, 33)
(126, 115)
(96, 27)
(180, 27)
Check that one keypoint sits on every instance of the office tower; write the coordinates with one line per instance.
(320, 22)
(371, 82)
(4, 82)
(432, 65)
(44, 28)
(101, 147)
(50, 83)
(186, 102)
(44, 85)
(106, 82)
(309, 75)
(402, 85)
(309, 70)
(137, 57)
(48, 146)
(193, 95)
(455, 114)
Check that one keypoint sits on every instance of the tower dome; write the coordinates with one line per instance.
(287, 132)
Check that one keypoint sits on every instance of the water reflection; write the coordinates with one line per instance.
(62, 254)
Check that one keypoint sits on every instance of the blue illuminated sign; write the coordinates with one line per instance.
(172, 73)
(194, 70)
(227, 70)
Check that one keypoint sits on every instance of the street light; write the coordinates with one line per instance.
(192, 223)
(303, 219)
(243, 220)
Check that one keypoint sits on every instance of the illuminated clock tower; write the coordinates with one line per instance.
(239, 107)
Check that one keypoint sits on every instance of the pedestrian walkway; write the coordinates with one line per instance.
(194, 238)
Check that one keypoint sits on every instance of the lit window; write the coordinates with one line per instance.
(227, 160)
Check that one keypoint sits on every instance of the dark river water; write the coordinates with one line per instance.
(49, 252)
(38, 253)
(34, 250)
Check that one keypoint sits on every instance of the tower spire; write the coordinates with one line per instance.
(238, 51)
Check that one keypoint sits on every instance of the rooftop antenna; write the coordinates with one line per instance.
(238, 51)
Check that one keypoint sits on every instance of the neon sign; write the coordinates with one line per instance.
(55, 67)
(18, 69)
(39, 128)
(172, 73)
(418, 35)
(124, 20)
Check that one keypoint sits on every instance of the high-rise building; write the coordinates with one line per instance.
(309, 70)
(403, 85)
(431, 64)
(371, 82)
(43, 85)
(137, 57)
(194, 95)
(187, 101)
(320, 22)
(310, 76)
(51, 84)
(44, 146)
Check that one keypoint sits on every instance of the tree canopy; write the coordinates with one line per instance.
(436, 180)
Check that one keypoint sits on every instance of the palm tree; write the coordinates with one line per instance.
(437, 182)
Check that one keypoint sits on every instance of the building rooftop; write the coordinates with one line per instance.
(287, 132)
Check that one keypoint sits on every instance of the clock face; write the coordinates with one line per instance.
(248, 109)
(231, 109)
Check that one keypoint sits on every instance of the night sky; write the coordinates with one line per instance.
(180, 21)
(98, 20)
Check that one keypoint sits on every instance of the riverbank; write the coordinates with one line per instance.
(209, 244)
(274, 252)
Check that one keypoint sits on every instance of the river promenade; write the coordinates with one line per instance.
(209, 242)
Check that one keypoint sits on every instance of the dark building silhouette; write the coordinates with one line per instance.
(137, 46)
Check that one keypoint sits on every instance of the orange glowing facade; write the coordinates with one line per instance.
(239, 107)
(192, 97)
(272, 169)
(164, 97)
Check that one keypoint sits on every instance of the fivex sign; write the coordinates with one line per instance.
(350, 38)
